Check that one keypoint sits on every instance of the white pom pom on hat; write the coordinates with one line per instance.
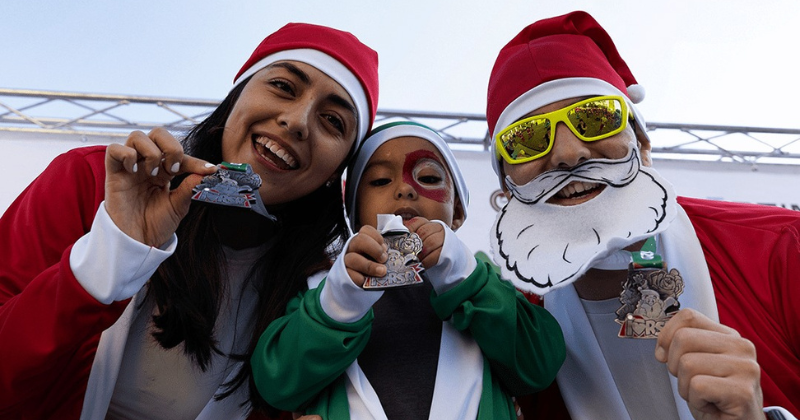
(636, 93)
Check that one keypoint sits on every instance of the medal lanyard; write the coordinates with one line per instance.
(647, 256)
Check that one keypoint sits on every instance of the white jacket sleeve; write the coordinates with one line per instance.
(111, 265)
(340, 298)
(456, 263)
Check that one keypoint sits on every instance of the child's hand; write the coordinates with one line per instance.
(432, 236)
(366, 255)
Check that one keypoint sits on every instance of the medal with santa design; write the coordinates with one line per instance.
(649, 295)
(403, 267)
(235, 185)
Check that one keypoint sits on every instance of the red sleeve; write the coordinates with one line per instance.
(782, 384)
(45, 314)
(753, 257)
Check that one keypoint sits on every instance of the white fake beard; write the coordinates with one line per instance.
(541, 246)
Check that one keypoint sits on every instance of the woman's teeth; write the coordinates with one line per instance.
(278, 151)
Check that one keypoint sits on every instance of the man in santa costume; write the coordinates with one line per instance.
(590, 228)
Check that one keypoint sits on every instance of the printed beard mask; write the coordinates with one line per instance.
(541, 246)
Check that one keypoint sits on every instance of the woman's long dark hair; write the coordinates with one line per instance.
(188, 286)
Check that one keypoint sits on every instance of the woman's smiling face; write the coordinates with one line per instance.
(294, 125)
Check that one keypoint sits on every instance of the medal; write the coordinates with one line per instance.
(649, 295)
(234, 184)
(403, 266)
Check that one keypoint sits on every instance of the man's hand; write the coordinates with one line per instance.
(137, 194)
(717, 371)
(432, 236)
(366, 255)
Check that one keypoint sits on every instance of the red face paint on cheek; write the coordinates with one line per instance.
(439, 193)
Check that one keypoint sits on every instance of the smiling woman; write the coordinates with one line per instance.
(120, 307)
(299, 138)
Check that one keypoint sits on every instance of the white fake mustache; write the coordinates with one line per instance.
(613, 172)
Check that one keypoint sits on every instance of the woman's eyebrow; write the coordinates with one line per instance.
(303, 76)
(344, 103)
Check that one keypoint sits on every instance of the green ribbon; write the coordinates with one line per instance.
(647, 256)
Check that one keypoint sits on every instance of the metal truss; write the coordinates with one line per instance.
(114, 116)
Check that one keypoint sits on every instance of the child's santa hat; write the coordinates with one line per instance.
(569, 56)
(336, 53)
(391, 131)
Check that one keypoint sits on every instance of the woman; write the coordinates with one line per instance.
(106, 314)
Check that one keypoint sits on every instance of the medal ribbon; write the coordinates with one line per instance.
(647, 256)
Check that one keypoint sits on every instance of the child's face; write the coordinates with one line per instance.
(407, 176)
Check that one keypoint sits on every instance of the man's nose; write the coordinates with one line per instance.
(568, 150)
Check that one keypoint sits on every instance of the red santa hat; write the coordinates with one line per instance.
(553, 59)
(336, 53)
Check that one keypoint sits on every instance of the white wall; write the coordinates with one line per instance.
(24, 155)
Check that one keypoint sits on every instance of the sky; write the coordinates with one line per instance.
(701, 62)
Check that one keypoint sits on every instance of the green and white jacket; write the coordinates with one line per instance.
(495, 344)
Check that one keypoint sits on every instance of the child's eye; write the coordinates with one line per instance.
(379, 182)
(430, 179)
(429, 173)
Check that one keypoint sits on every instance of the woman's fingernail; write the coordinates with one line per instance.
(175, 167)
(154, 172)
(210, 165)
(135, 167)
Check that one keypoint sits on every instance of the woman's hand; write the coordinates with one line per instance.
(366, 255)
(137, 194)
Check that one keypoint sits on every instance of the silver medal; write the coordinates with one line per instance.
(403, 266)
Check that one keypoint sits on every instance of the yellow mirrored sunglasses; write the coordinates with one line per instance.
(590, 120)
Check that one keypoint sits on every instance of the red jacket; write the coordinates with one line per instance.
(49, 325)
(753, 257)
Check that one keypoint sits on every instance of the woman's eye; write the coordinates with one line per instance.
(282, 85)
(379, 182)
(336, 122)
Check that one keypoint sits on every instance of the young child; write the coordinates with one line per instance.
(457, 346)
